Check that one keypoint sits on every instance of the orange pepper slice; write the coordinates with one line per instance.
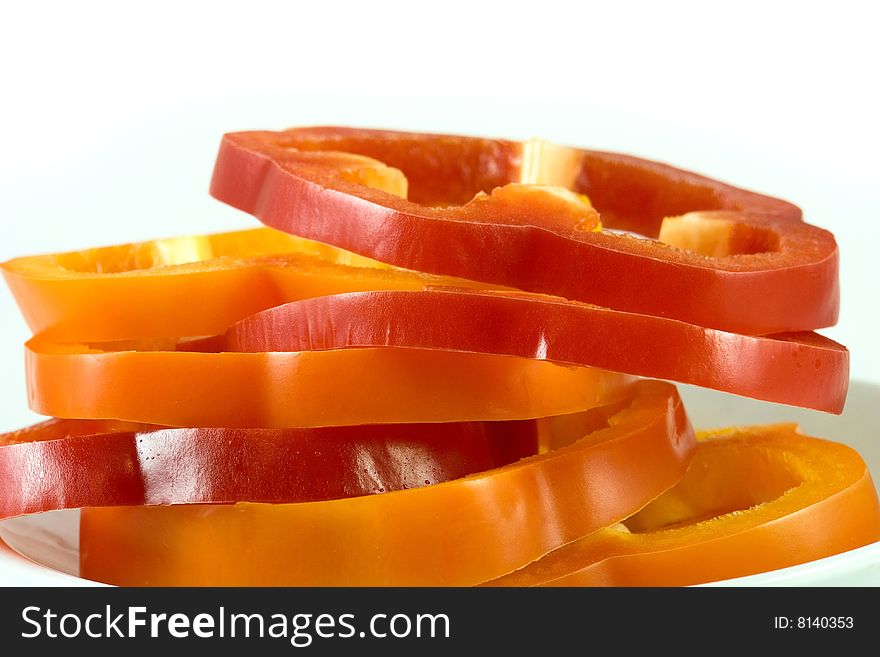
(191, 286)
(754, 499)
(304, 389)
(460, 532)
(565, 332)
(187, 286)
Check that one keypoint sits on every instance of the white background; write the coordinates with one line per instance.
(110, 114)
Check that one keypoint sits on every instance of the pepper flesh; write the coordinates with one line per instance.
(775, 273)
(187, 286)
(754, 499)
(190, 286)
(564, 332)
(456, 533)
(62, 464)
(159, 385)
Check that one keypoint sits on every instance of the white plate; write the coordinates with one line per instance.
(53, 538)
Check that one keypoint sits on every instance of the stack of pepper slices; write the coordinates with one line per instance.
(425, 371)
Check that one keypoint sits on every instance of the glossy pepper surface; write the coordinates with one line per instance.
(61, 464)
(754, 499)
(538, 327)
(460, 532)
(732, 259)
(163, 383)
(187, 286)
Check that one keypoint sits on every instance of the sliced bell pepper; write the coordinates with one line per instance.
(199, 285)
(754, 499)
(456, 533)
(773, 368)
(141, 382)
(62, 464)
(187, 286)
(757, 269)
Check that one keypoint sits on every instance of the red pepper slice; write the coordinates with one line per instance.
(773, 368)
(773, 273)
(459, 532)
(61, 464)
(754, 499)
